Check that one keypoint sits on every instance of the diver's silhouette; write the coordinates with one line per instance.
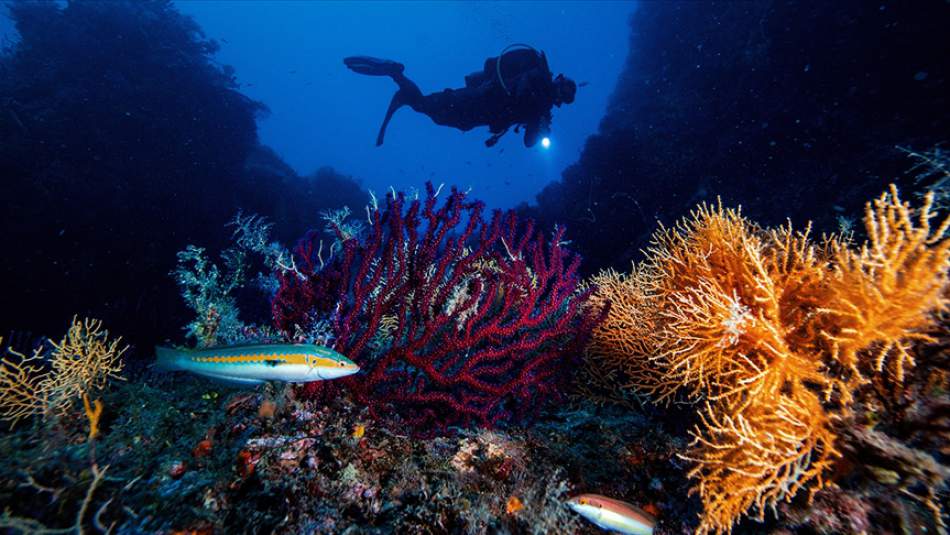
(517, 90)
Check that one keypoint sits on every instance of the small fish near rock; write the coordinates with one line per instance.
(613, 515)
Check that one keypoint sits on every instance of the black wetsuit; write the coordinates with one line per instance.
(525, 98)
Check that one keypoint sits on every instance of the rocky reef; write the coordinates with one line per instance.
(788, 108)
(124, 140)
(183, 456)
(808, 384)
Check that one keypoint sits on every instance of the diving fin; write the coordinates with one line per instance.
(374, 66)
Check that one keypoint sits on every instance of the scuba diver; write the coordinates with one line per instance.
(514, 89)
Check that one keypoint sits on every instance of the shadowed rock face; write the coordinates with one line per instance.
(122, 142)
(792, 109)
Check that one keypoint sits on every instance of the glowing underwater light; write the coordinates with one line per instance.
(546, 142)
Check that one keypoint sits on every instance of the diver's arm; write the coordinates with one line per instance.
(490, 142)
(536, 130)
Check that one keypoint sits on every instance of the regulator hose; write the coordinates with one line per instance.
(498, 63)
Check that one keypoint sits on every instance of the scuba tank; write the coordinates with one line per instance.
(498, 73)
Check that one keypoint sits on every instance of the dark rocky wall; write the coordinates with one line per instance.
(122, 142)
(792, 109)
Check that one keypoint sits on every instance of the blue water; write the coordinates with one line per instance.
(125, 136)
(289, 56)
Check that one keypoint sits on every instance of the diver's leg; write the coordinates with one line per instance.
(411, 96)
(394, 105)
(408, 94)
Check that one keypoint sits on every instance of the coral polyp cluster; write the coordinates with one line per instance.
(771, 335)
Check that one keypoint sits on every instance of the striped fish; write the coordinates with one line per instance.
(254, 364)
(613, 515)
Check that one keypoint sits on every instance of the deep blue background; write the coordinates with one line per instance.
(123, 137)
(289, 56)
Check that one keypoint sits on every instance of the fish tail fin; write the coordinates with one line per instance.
(166, 358)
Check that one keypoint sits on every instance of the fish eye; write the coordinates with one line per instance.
(342, 364)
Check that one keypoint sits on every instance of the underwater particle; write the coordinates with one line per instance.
(267, 409)
(203, 449)
(177, 469)
(246, 461)
(514, 505)
(613, 515)
(652, 509)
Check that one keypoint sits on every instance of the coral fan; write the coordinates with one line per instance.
(773, 335)
(456, 322)
(882, 296)
(625, 330)
(299, 298)
(83, 361)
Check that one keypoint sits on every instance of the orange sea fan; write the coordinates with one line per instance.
(884, 297)
(697, 281)
(710, 244)
(733, 301)
(772, 334)
(750, 460)
(625, 332)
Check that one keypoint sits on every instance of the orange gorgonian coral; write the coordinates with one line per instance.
(625, 330)
(83, 361)
(771, 334)
(748, 461)
(883, 296)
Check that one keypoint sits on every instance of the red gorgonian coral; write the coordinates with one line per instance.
(453, 320)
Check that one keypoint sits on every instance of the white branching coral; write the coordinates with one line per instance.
(207, 290)
(252, 234)
(931, 171)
